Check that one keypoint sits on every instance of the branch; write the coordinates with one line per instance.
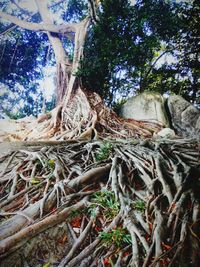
(93, 11)
(94, 174)
(154, 63)
(21, 8)
(57, 3)
(8, 29)
(64, 28)
(12, 27)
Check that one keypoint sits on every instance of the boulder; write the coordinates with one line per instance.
(147, 106)
(185, 118)
(165, 133)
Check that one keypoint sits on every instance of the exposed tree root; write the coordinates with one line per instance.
(84, 117)
(124, 204)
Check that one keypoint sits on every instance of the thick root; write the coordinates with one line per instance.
(84, 117)
(122, 204)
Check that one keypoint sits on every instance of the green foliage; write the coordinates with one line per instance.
(122, 48)
(181, 74)
(104, 151)
(106, 201)
(35, 181)
(51, 164)
(13, 115)
(118, 236)
(76, 10)
(23, 55)
(139, 205)
(75, 213)
(117, 106)
(134, 142)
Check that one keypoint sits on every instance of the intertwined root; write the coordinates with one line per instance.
(124, 204)
(85, 117)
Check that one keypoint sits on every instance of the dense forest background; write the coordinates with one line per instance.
(150, 45)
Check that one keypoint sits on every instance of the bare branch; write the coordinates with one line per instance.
(65, 28)
(21, 8)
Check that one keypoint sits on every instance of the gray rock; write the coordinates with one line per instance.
(146, 106)
(198, 126)
(166, 133)
(185, 117)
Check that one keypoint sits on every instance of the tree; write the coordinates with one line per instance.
(180, 75)
(126, 47)
(188, 52)
(132, 44)
(69, 94)
(121, 198)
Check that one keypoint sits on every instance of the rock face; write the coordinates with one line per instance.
(185, 117)
(146, 106)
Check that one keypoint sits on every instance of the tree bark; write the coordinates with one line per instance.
(80, 37)
(63, 29)
(62, 60)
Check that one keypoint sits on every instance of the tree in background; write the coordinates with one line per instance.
(181, 74)
(24, 54)
(150, 46)
(119, 50)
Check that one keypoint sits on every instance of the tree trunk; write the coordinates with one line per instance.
(80, 36)
(66, 70)
(79, 113)
(63, 64)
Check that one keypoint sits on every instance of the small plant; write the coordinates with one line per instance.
(76, 216)
(104, 151)
(35, 180)
(134, 142)
(75, 213)
(117, 236)
(139, 205)
(105, 200)
(51, 164)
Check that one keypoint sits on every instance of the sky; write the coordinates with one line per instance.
(47, 84)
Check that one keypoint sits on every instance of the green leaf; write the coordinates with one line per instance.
(35, 180)
(48, 264)
(51, 163)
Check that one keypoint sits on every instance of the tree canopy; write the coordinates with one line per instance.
(149, 46)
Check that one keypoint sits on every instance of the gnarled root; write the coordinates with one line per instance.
(122, 203)
(83, 117)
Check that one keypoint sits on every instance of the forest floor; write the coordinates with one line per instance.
(112, 202)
